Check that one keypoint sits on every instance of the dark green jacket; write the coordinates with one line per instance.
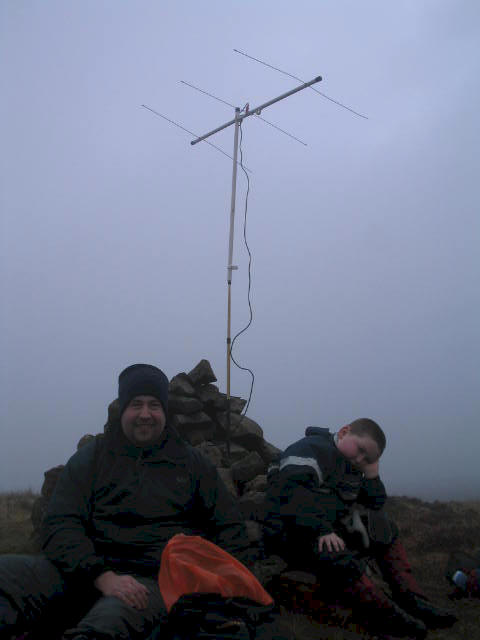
(116, 506)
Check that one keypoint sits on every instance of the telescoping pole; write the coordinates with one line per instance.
(237, 121)
(231, 267)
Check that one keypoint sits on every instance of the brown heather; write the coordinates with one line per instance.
(15, 523)
(430, 530)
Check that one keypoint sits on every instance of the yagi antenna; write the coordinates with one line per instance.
(240, 116)
(290, 75)
(255, 111)
(210, 95)
(160, 115)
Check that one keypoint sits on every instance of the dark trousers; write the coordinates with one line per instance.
(34, 597)
(343, 567)
(347, 566)
(299, 547)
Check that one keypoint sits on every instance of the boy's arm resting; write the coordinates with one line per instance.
(65, 538)
(371, 470)
(372, 493)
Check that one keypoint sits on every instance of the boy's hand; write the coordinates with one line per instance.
(370, 470)
(332, 542)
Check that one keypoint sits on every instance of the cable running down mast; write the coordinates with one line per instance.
(237, 120)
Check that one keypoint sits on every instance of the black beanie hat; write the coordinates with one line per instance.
(142, 380)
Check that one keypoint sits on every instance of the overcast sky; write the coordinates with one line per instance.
(365, 243)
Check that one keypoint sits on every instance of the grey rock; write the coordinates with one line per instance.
(236, 403)
(243, 426)
(113, 415)
(50, 480)
(210, 396)
(237, 452)
(84, 440)
(268, 568)
(181, 385)
(226, 476)
(214, 452)
(247, 468)
(183, 404)
(254, 531)
(196, 436)
(269, 452)
(257, 484)
(39, 507)
(243, 430)
(252, 506)
(202, 373)
(195, 427)
(192, 420)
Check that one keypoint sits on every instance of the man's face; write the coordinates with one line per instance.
(143, 421)
(359, 450)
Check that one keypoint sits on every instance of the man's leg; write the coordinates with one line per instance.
(30, 588)
(111, 619)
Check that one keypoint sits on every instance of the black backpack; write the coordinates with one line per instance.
(210, 616)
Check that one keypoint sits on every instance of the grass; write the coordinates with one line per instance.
(429, 530)
(15, 524)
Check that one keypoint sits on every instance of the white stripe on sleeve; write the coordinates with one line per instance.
(296, 461)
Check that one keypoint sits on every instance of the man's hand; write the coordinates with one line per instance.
(125, 588)
(332, 542)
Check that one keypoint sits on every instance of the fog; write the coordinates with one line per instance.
(365, 243)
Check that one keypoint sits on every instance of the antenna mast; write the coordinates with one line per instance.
(237, 120)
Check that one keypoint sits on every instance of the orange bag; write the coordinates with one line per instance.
(191, 564)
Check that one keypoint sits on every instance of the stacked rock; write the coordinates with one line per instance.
(198, 410)
(39, 508)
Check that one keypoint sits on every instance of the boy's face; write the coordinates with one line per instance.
(360, 450)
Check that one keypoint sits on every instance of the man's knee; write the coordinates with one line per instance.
(111, 618)
(35, 571)
(27, 586)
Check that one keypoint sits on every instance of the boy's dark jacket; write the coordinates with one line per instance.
(312, 488)
(116, 506)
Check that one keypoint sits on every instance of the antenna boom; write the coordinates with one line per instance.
(257, 110)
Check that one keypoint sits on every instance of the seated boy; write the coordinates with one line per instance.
(311, 493)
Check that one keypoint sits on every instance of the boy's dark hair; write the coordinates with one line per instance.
(367, 427)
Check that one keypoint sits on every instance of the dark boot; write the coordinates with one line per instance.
(406, 591)
(420, 607)
(380, 614)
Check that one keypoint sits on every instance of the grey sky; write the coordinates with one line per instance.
(365, 243)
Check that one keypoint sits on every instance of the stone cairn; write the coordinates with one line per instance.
(198, 410)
